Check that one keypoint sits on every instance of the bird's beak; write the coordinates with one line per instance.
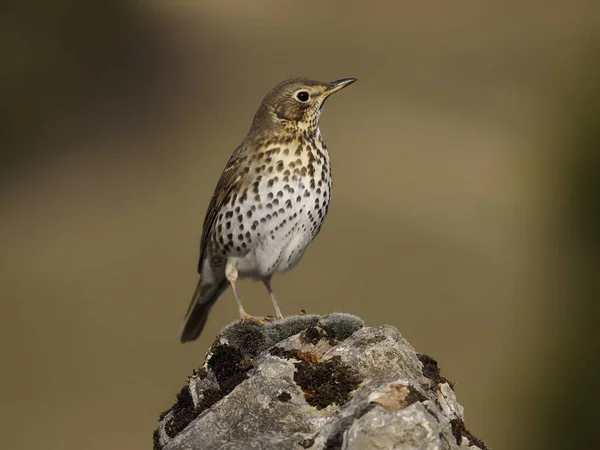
(337, 85)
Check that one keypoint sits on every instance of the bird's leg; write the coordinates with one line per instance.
(231, 273)
(267, 283)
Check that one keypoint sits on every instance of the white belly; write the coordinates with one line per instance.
(284, 229)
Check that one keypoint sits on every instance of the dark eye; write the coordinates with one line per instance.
(302, 96)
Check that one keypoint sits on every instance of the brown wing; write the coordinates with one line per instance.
(231, 178)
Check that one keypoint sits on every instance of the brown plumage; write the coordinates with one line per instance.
(270, 201)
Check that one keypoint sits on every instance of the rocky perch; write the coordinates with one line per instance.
(314, 382)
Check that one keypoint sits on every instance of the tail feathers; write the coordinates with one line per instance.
(197, 313)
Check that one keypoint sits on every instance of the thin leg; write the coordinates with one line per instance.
(267, 284)
(231, 273)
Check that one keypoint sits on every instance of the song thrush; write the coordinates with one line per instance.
(270, 201)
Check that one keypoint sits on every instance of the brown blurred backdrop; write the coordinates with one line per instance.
(465, 196)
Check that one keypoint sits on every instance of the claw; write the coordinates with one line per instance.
(245, 317)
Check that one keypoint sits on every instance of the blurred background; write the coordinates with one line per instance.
(465, 210)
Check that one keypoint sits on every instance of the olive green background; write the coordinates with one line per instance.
(464, 211)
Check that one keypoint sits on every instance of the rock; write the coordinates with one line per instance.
(312, 382)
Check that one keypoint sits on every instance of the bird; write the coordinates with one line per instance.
(270, 201)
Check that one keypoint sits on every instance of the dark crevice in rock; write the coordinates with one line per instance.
(336, 440)
(431, 411)
(459, 431)
(413, 396)
(284, 397)
(432, 371)
(306, 443)
(311, 335)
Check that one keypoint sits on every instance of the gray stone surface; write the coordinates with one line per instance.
(318, 382)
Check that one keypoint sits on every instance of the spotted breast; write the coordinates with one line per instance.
(280, 210)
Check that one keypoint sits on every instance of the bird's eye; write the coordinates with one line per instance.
(302, 96)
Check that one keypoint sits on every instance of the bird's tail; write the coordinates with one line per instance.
(204, 297)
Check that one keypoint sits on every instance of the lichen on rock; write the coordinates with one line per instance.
(318, 382)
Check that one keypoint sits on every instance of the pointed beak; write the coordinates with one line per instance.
(337, 85)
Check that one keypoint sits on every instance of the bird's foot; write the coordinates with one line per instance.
(245, 317)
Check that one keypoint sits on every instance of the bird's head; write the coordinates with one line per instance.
(296, 104)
